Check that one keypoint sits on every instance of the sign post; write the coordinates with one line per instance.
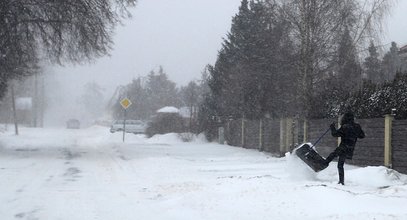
(125, 103)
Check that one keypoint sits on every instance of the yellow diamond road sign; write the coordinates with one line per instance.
(125, 103)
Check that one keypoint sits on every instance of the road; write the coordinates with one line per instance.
(90, 174)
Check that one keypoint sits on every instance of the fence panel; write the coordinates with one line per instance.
(252, 134)
(399, 145)
(299, 132)
(233, 133)
(370, 150)
(318, 127)
(271, 136)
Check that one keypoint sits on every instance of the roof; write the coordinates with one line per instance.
(168, 109)
(403, 49)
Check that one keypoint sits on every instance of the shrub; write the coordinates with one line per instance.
(166, 123)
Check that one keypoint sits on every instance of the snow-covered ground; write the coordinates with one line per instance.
(90, 174)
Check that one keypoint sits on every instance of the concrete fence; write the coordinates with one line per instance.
(385, 142)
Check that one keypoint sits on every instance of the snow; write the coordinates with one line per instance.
(91, 174)
(168, 109)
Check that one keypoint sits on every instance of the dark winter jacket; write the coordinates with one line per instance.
(349, 133)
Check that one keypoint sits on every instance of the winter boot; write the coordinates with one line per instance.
(341, 177)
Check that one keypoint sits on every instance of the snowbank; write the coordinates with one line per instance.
(164, 138)
(373, 176)
(297, 170)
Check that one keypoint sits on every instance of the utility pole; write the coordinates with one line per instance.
(41, 107)
(35, 101)
(13, 100)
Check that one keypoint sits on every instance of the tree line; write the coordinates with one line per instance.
(155, 91)
(286, 58)
(297, 58)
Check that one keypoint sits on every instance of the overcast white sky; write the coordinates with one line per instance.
(181, 35)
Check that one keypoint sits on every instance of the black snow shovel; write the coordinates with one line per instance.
(307, 153)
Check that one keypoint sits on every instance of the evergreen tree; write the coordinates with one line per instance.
(287, 58)
(161, 91)
(251, 75)
(209, 107)
(374, 101)
(137, 93)
(233, 64)
(148, 96)
(360, 101)
(349, 71)
(190, 96)
(373, 65)
(391, 63)
(399, 96)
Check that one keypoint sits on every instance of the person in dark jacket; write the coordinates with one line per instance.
(349, 132)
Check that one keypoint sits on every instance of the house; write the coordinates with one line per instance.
(403, 57)
(403, 50)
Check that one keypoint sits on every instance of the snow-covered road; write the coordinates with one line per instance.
(50, 174)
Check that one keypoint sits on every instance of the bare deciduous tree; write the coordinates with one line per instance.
(317, 24)
(61, 31)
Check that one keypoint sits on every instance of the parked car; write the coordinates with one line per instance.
(132, 126)
(73, 124)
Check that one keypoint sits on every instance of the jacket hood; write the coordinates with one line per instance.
(347, 118)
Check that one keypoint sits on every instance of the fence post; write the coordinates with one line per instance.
(243, 133)
(261, 135)
(286, 135)
(221, 135)
(227, 133)
(290, 135)
(296, 132)
(388, 122)
(283, 125)
(305, 127)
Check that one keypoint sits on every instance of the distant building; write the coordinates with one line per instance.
(403, 50)
(184, 112)
(403, 58)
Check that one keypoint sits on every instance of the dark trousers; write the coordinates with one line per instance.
(341, 161)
